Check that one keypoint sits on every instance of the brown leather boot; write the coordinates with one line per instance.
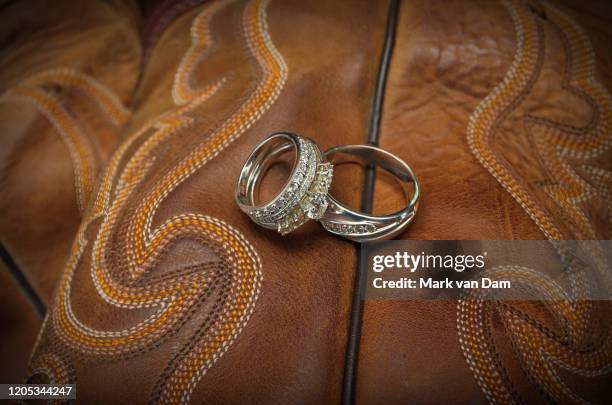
(166, 292)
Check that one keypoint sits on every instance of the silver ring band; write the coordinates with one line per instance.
(361, 227)
(303, 197)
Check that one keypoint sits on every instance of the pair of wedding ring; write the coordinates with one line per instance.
(306, 195)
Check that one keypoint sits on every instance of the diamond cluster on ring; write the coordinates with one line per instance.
(305, 195)
(312, 205)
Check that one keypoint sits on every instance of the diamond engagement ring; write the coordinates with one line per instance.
(306, 195)
(361, 227)
(302, 198)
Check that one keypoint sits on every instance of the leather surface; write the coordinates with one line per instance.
(448, 58)
(58, 74)
(166, 292)
(195, 120)
(20, 325)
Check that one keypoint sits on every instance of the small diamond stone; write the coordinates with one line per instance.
(315, 207)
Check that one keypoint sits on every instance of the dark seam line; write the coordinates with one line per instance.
(25, 285)
(354, 333)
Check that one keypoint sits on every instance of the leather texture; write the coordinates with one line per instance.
(532, 67)
(20, 325)
(125, 130)
(169, 312)
(65, 80)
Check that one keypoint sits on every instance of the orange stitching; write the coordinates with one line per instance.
(239, 269)
(543, 352)
(80, 147)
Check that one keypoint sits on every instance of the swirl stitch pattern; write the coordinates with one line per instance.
(227, 286)
(582, 347)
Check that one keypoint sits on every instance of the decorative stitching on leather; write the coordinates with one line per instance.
(230, 284)
(538, 347)
(54, 368)
(34, 91)
(496, 106)
(201, 39)
(541, 351)
(558, 146)
(108, 102)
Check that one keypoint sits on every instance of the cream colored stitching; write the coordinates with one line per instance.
(540, 352)
(173, 298)
(32, 91)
